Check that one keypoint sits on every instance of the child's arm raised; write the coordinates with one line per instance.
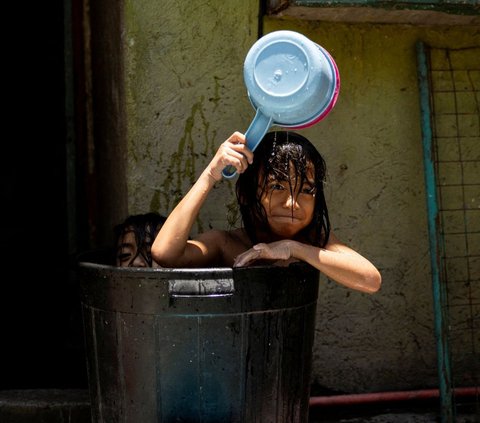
(171, 247)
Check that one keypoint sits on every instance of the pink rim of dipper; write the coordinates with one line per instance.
(332, 101)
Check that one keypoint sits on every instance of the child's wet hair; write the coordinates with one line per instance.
(145, 228)
(278, 154)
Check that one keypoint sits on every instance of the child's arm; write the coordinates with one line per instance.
(336, 261)
(171, 247)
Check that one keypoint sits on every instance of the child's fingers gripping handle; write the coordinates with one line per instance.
(255, 132)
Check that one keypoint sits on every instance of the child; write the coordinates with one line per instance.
(134, 239)
(284, 214)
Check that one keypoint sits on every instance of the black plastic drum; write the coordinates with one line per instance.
(199, 345)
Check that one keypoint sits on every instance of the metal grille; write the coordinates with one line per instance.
(455, 105)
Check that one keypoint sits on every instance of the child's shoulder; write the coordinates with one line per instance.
(231, 243)
(239, 236)
(223, 237)
(236, 237)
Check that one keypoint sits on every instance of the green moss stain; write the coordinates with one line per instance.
(155, 202)
(195, 148)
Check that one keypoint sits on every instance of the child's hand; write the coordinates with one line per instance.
(234, 152)
(278, 250)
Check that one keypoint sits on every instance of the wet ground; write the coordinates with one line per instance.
(399, 418)
(73, 406)
(408, 412)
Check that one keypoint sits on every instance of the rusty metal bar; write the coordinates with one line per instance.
(439, 295)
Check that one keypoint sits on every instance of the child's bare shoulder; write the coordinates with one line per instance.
(235, 238)
(240, 237)
(231, 243)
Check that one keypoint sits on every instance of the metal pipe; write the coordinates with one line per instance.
(436, 253)
(378, 397)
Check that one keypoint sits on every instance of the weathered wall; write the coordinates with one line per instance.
(372, 145)
(185, 95)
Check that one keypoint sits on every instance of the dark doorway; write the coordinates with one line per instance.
(41, 331)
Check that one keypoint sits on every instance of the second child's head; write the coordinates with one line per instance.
(281, 193)
(134, 238)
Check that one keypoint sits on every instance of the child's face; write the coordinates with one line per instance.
(127, 252)
(288, 213)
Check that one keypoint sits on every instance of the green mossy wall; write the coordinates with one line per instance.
(185, 95)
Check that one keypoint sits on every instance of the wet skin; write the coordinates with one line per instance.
(289, 212)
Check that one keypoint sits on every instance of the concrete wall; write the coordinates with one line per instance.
(185, 95)
(372, 145)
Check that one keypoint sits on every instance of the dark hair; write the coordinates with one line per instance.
(145, 228)
(277, 154)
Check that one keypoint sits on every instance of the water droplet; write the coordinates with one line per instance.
(277, 75)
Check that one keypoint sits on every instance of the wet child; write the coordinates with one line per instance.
(134, 238)
(284, 214)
